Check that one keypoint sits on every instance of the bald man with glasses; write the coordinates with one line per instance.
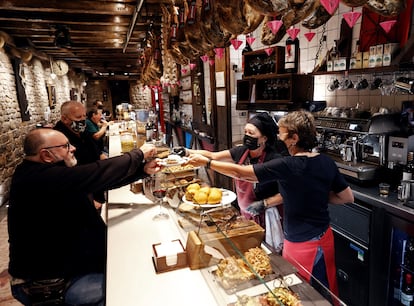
(56, 237)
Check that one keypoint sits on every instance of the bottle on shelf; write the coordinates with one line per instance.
(149, 129)
(407, 291)
(292, 55)
(409, 254)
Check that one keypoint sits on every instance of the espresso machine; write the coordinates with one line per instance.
(358, 146)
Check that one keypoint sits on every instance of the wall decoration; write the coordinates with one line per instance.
(74, 94)
(51, 93)
(21, 92)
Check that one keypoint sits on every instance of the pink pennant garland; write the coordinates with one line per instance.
(250, 40)
(269, 51)
(309, 36)
(293, 33)
(192, 66)
(184, 71)
(330, 5)
(219, 52)
(387, 25)
(236, 43)
(211, 62)
(274, 25)
(204, 58)
(351, 18)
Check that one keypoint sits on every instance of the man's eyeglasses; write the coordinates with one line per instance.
(67, 145)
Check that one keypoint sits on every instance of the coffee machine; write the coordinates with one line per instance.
(359, 146)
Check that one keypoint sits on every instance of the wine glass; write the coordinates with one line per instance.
(158, 189)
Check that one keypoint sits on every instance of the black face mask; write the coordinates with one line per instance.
(250, 142)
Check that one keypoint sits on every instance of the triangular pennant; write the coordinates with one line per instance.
(192, 66)
(204, 58)
(387, 25)
(236, 43)
(219, 52)
(211, 62)
(309, 36)
(351, 18)
(269, 51)
(250, 40)
(184, 70)
(274, 25)
(330, 5)
(293, 32)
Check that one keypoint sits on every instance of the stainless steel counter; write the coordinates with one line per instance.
(370, 196)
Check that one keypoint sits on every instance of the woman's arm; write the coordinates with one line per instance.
(230, 169)
(220, 155)
(345, 196)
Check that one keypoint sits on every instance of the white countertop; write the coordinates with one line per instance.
(131, 277)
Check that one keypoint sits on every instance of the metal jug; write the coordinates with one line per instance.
(407, 191)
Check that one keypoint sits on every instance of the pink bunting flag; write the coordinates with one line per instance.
(351, 18)
(184, 70)
(178, 82)
(293, 33)
(211, 62)
(309, 36)
(192, 66)
(387, 25)
(274, 25)
(269, 51)
(219, 52)
(204, 58)
(236, 43)
(330, 5)
(250, 40)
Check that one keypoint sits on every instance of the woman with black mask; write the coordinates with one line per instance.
(259, 145)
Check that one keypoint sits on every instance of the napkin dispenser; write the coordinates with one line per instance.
(169, 256)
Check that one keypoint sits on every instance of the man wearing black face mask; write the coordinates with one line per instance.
(260, 144)
(72, 124)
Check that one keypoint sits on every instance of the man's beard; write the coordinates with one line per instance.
(71, 161)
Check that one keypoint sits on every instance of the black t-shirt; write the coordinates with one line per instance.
(305, 184)
(262, 190)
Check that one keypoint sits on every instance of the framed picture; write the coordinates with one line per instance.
(51, 93)
(74, 94)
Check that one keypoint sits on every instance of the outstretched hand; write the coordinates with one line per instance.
(149, 151)
(198, 160)
(152, 167)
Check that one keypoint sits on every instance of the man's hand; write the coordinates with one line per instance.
(152, 167)
(149, 151)
(256, 208)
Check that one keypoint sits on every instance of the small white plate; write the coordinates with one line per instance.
(172, 162)
(228, 197)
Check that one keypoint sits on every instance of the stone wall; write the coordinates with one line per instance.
(35, 78)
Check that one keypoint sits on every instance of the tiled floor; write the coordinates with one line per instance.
(6, 298)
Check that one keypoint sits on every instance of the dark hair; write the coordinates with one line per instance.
(92, 112)
(266, 125)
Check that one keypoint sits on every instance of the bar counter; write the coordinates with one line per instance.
(131, 276)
